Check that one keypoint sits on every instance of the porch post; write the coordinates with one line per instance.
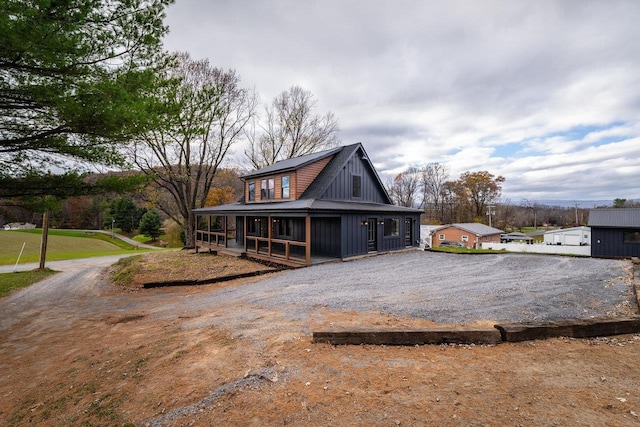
(244, 234)
(270, 225)
(307, 239)
(224, 230)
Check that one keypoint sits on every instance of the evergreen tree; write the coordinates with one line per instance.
(151, 224)
(125, 214)
(76, 80)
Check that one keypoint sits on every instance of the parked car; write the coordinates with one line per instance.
(451, 244)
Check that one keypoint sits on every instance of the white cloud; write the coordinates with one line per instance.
(545, 93)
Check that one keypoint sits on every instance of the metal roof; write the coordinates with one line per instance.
(304, 205)
(615, 217)
(292, 164)
(477, 228)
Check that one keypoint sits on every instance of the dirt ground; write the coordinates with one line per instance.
(111, 355)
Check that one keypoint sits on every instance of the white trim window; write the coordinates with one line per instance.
(441, 236)
(465, 238)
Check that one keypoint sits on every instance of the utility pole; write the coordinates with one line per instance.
(43, 241)
(490, 212)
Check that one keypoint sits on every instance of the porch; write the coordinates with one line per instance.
(283, 240)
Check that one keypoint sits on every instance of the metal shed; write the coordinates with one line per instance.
(574, 236)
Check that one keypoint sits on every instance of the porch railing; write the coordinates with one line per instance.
(212, 238)
(289, 250)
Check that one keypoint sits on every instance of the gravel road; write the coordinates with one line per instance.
(446, 288)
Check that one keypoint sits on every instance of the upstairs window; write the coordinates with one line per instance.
(252, 191)
(356, 186)
(272, 188)
(285, 187)
(263, 189)
(465, 238)
(267, 189)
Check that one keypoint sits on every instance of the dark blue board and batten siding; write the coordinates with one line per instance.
(325, 237)
(342, 186)
(609, 243)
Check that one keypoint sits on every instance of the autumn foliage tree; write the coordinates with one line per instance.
(480, 189)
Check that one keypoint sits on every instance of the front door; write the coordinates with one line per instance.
(408, 232)
(372, 234)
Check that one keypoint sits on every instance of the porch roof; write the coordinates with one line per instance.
(304, 206)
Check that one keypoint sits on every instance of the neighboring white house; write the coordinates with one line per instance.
(575, 236)
(18, 226)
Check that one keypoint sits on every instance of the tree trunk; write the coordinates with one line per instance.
(43, 242)
(189, 231)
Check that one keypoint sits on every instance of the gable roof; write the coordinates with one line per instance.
(310, 199)
(615, 217)
(477, 228)
(324, 179)
(292, 164)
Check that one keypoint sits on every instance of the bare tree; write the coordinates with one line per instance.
(290, 129)
(183, 157)
(432, 179)
(404, 188)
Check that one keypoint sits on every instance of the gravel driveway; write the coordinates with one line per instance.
(447, 288)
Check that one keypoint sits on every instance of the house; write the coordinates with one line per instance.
(323, 206)
(470, 234)
(574, 236)
(615, 232)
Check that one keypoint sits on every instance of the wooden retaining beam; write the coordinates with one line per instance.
(511, 332)
(409, 337)
(574, 328)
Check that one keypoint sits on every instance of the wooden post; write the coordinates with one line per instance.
(269, 235)
(244, 237)
(43, 241)
(224, 228)
(307, 239)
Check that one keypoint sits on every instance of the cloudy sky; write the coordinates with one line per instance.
(544, 93)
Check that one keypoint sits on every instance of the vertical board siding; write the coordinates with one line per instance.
(326, 236)
(341, 187)
(354, 235)
(611, 244)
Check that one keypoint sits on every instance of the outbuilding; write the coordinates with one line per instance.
(574, 236)
(615, 232)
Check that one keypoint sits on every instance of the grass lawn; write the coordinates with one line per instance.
(21, 279)
(61, 245)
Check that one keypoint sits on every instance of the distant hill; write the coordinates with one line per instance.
(584, 204)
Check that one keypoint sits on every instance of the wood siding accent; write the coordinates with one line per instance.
(307, 174)
(299, 180)
(341, 188)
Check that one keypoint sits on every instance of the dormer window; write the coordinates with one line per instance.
(285, 187)
(267, 189)
(252, 191)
